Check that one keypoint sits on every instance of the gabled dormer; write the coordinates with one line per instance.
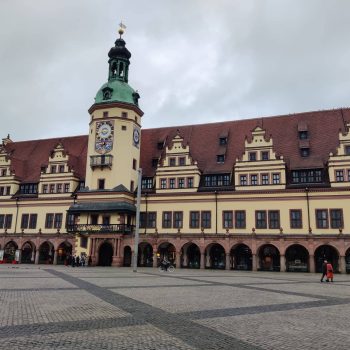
(8, 182)
(259, 167)
(177, 171)
(57, 177)
(339, 162)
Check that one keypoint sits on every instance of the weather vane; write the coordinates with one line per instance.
(122, 28)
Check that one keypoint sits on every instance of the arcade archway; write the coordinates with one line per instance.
(105, 254)
(63, 252)
(269, 258)
(241, 257)
(297, 258)
(215, 258)
(28, 253)
(191, 256)
(10, 252)
(145, 255)
(329, 253)
(127, 256)
(168, 251)
(46, 252)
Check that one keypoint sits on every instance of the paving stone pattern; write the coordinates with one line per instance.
(113, 308)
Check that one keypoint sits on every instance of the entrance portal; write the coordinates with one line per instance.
(105, 254)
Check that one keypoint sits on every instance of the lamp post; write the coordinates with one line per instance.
(137, 225)
(308, 207)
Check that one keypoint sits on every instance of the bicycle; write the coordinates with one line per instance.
(171, 268)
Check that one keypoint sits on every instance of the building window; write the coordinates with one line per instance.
(252, 156)
(336, 218)
(52, 188)
(276, 179)
(264, 155)
(3, 172)
(29, 188)
(105, 114)
(274, 219)
(66, 188)
(305, 152)
(134, 164)
(106, 219)
(147, 183)
(59, 188)
(303, 135)
(44, 189)
(181, 182)
(240, 221)
(194, 219)
(2, 189)
(49, 220)
(152, 220)
(265, 179)
(53, 169)
(8, 190)
(166, 221)
(172, 161)
(254, 180)
(101, 184)
(33, 220)
(172, 183)
(222, 141)
(260, 219)
(162, 183)
(243, 180)
(83, 242)
(216, 180)
(347, 150)
(182, 161)
(94, 219)
(321, 218)
(339, 175)
(2, 220)
(24, 221)
(70, 219)
(220, 158)
(296, 218)
(306, 176)
(190, 182)
(8, 221)
(58, 221)
(178, 217)
(124, 114)
(206, 219)
(132, 185)
(61, 169)
(227, 219)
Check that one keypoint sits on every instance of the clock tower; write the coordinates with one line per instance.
(115, 127)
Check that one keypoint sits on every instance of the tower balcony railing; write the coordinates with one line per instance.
(104, 160)
(112, 228)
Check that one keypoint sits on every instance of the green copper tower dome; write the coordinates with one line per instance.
(117, 88)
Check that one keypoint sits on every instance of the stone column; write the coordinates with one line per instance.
(228, 262)
(254, 263)
(202, 262)
(282, 263)
(37, 257)
(342, 264)
(312, 263)
(178, 259)
(55, 257)
(207, 262)
(155, 258)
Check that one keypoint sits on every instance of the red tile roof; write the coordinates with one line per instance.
(323, 128)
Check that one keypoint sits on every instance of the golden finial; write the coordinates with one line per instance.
(121, 29)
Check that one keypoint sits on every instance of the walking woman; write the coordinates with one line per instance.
(329, 272)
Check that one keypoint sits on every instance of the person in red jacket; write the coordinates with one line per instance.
(329, 272)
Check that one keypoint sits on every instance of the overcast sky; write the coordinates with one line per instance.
(193, 61)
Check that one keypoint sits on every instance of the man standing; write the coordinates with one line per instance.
(324, 270)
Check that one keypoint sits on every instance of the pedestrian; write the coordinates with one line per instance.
(90, 261)
(73, 261)
(77, 261)
(329, 272)
(82, 261)
(324, 270)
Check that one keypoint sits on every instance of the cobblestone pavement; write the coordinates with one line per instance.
(49, 307)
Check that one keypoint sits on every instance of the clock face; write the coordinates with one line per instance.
(136, 136)
(104, 137)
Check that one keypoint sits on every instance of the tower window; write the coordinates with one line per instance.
(105, 114)
(134, 164)
(303, 135)
(220, 158)
(132, 186)
(222, 141)
(123, 127)
(124, 114)
(305, 152)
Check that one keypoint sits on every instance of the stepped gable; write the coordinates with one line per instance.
(323, 129)
(27, 157)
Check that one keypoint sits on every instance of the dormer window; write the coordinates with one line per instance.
(182, 161)
(172, 162)
(264, 155)
(305, 152)
(303, 135)
(53, 169)
(154, 162)
(222, 141)
(252, 156)
(220, 158)
(160, 145)
(347, 150)
(3, 172)
(61, 169)
(107, 93)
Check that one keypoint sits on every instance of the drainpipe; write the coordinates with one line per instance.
(308, 208)
(216, 212)
(17, 206)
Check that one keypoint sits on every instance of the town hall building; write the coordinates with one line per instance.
(269, 194)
